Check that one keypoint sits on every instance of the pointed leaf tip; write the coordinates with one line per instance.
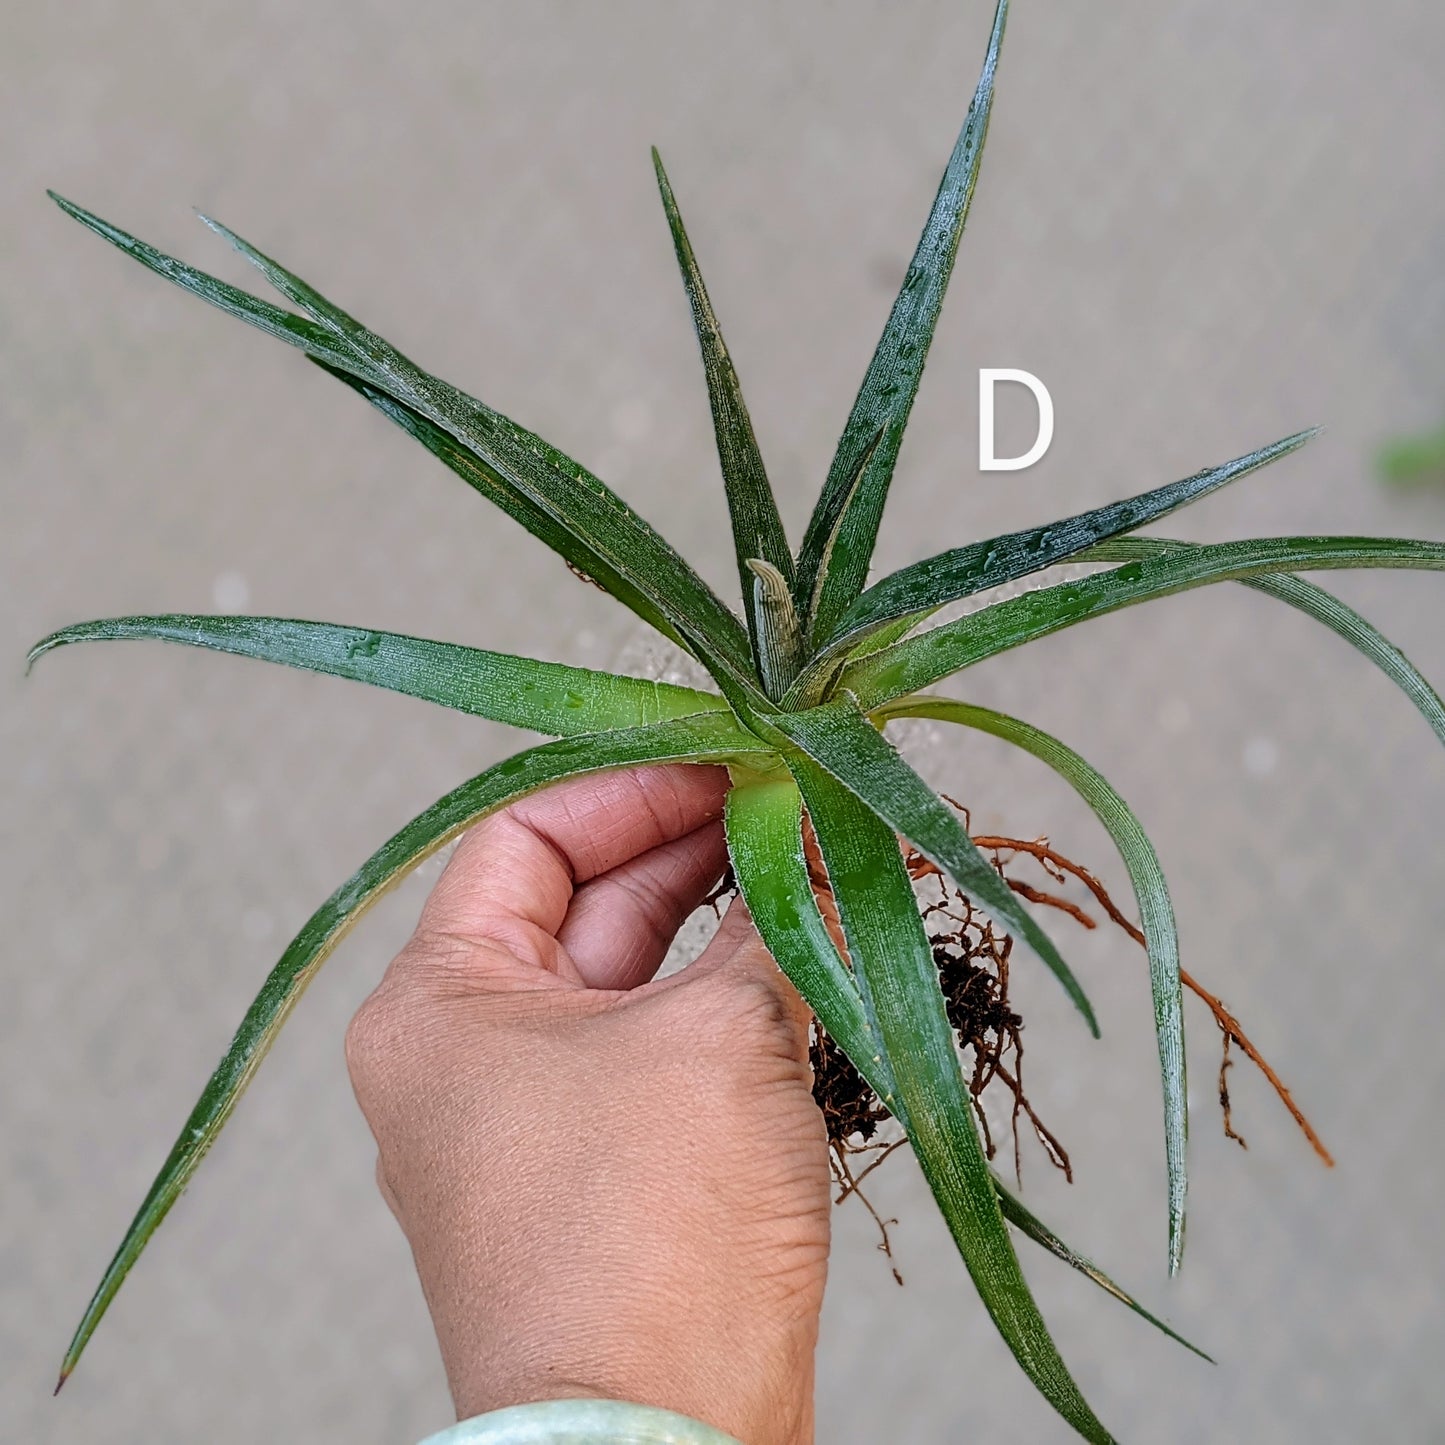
(963, 571)
(534, 484)
(686, 740)
(756, 525)
(546, 697)
(1156, 915)
(46, 644)
(76, 213)
(916, 664)
(890, 384)
(1015, 1211)
(228, 235)
(897, 979)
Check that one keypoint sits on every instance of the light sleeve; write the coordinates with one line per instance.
(580, 1422)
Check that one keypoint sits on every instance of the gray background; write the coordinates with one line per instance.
(1204, 223)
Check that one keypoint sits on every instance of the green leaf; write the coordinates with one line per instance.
(545, 696)
(843, 741)
(551, 480)
(752, 508)
(765, 843)
(894, 965)
(294, 330)
(606, 535)
(816, 683)
(766, 846)
(962, 572)
(849, 491)
(1156, 915)
(890, 384)
(919, 662)
(707, 738)
(888, 634)
(1314, 602)
(586, 561)
(1019, 1215)
(775, 622)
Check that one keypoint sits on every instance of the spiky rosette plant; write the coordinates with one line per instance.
(807, 680)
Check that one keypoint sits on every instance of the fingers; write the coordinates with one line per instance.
(520, 865)
(620, 925)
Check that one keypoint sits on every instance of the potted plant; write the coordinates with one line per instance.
(807, 680)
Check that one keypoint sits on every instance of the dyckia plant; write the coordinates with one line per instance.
(807, 680)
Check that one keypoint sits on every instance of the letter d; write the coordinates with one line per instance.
(987, 461)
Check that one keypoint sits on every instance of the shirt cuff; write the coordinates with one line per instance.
(580, 1422)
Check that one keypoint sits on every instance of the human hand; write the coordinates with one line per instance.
(612, 1186)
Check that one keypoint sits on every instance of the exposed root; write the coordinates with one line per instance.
(1225, 1064)
(852, 1113)
(727, 886)
(844, 1176)
(1233, 1034)
(973, 972)
(1228, 1025)
(1050, 900)
(881, 1152)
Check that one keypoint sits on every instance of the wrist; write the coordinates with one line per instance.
(669, 1319)
(780, 1413)
(685, 1343)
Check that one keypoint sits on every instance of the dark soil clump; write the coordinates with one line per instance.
(973, 974)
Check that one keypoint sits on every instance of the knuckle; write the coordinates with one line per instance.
(360, 1045)
(371, 1039)
(751, 1007)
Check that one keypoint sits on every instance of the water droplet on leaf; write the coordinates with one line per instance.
(366, 644)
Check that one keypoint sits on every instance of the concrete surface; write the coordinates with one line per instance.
(1204, 223)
